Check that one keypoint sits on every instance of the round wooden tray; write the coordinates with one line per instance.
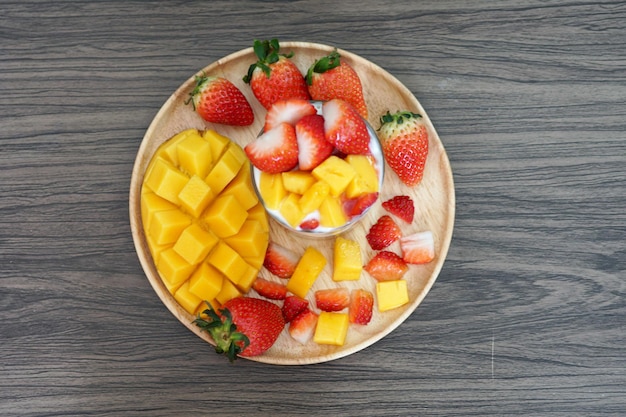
(434, 199)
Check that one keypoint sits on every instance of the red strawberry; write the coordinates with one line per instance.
(418, 248)
(288, 111)
(331, 77)
(302, 327)
(361, 204)
(405, 145)
(345, 128)
(274, 76)
(274, 151)
(401, 206)
(310, 224)
(386, 266)
(332, 299)
(383, 233)
(361, 306)
(280, 261)
(270, 289)
(313, 148)
(217, 100)
(292, 306)
(244, 326)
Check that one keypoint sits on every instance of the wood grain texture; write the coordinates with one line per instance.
(527, 315)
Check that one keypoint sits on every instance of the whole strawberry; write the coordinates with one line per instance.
(217, 100)
(274, 76)
(331, 77)
(404, 139)
(244, 326)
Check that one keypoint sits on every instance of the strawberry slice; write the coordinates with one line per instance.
(345, 128)
(302, 327)
(361, 306)
(386, 266)
(332, 299)
(418, 248)
(270, 289)
(280, 261)
(310, 224)
(287, 111)
(275, 150)
(293, 306)
(313, 148)
(362, 203)
(383, 233)
(401, 206)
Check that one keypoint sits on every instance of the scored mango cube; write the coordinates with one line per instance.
(331, 328)
(347, 260)
(194, 155)
(290, 210)
(307, 270)
(247, 278)
(194, 244)
(391, 294)
(169, 151)
(272, 189)
(251, 239)
(225, 216)
(187, 300)
(332, 213)
(195, 196)
(228, 262)
(228, 292)
(312, 198)
(206, 282)
(366, 179)
(167, 225)
(297, 181)
(173, 267)
(226, 168)
(150, 204)
(217, 142)
(241, 187)
(166, 180)
(336, 172)
(259, 214)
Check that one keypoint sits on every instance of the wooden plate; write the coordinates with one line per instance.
(434, 198)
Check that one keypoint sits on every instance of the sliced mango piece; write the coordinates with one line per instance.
(312, 198)
(308, 269)
(297, 181)
(347, 264)
(366, 179)
(391, 294)
(272, 189)
(290, 210)
(332, 213)
(331, 328)
(336, 172)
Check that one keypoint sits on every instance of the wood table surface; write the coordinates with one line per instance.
(527, 316)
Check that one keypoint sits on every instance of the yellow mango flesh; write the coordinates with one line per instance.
(366, 179)
(206, 282)
(391, 294)
(347, 264)
(290, 210)
(194, 155)
(312, 198)
(272, 189)
(331, 328)
(297, 181)
(331, 213)
(336, 172)
(307, 270)
(225, 216)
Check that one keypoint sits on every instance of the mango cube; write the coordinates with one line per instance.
(166, 181)
(225, 216)
(297, 181)
(226, 168)
(217, 142)
(195, 196)
(206, 282)
(331, 328)
(336, 172)
(167, 225)
(150, 204)
(259, 214)
(347, 260)
(313, 197)
(228, 262)
(251, 239)
(366, 179)
(308, 269)
(242, 189)
(194, 244)
(290, 210)
(332, 213)
(228, 292)
(194, 155)
(272, 189)
(187, 300)
(391, 294)
(169, 151)
(247, 278)
(173, 268)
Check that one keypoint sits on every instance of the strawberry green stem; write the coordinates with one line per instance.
(322, 65)
(223, 331)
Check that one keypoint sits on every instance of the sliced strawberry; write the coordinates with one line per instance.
(401, 206)
(345, 128)
(313, 148)
(386, 266)
(270, 289)
(275, 150)
(287, 111)
(310, 224)
(280, 261)
(361, 306)
(292, 306)
(332, 299)
(418, 248)
(362, 203)
(302, 327)
(383, 233)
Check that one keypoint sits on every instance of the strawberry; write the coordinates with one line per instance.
(244, 326)
(270, 289)
(404, 139)
(386, 266)
(288, 111)
(217, 100)
(313, 148)
(401, 206)
(361, 204)
(274, 76)
(418, 248)
(280, 261)
(383, 233)
(361, 306)
(331, 77)
(302, 327)
(310, 224)
(292, 306)
(345, 128)
(332, 299)
(275, 150)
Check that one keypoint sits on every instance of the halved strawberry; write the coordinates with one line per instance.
(418, 248)
(362, 203)
(275, 150)
(270, 289)
(310, 224)
(302, 327)
(386, 266)
(345, 128)
(332, 299)
(217, 100)
(287, 111)
(383, 233)
(401, 206)
(313, 148)
(280, 261)
(292, 306)
(361, 306)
